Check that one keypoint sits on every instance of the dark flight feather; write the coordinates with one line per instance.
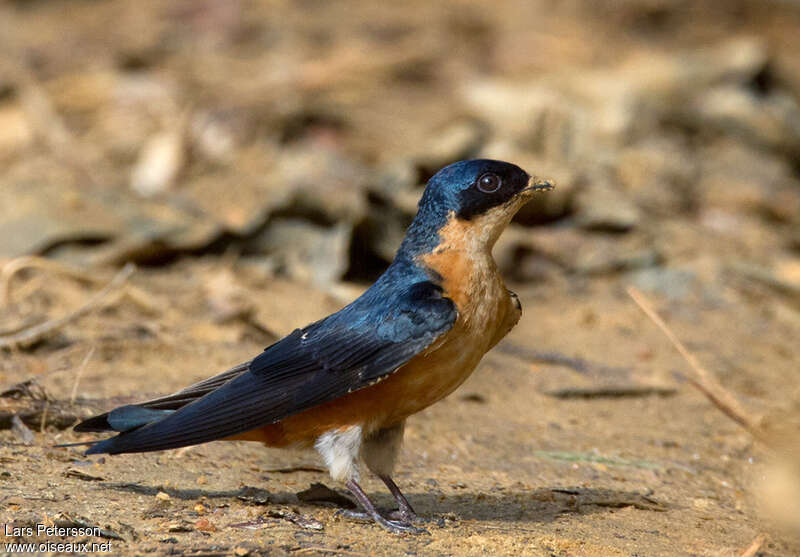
(169, 402)
(349, 350)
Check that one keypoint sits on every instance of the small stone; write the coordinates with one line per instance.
(178, 527)
(160, 161)
(205, 525)
(81, 475)
(161, 496)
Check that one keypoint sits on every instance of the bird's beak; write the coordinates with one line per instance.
(537, 184)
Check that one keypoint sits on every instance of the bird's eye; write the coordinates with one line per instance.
(489, 182)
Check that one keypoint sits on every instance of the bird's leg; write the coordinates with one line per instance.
(404, 509)
(380, 451)
(394, 526)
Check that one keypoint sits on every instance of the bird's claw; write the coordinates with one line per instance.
(354, 515)
(391, 521)
(409, 517)
(400, 527)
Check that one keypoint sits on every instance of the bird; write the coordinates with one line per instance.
(346, 384)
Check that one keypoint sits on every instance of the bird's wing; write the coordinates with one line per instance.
(162, 406)
(347, 351)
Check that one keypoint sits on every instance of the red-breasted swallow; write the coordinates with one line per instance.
(346, 383)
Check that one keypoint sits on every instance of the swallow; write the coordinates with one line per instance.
(346, 384)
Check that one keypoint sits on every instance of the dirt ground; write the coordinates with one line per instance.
(258, 162)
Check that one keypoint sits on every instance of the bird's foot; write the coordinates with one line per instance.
(391, 521)
(395, 526)
(396, 515)
(401, 527)
(406, 515)
(404, 511)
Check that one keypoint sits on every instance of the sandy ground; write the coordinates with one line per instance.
(501, 467)
(258, 162)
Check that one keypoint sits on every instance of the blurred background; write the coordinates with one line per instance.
(302, 132)
(259, 162)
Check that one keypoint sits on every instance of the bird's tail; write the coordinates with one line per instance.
(122, 419)
(79, 444)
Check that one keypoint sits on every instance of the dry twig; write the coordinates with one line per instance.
(26, 262)
(51, 413)
(78, 375)
(38, 331)
(43, 423)
(702, 379)
(753, 548)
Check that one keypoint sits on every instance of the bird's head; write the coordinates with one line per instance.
(478, 197)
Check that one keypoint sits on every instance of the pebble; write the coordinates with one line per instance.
(160, 160)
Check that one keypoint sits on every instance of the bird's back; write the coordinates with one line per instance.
(486, 313)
